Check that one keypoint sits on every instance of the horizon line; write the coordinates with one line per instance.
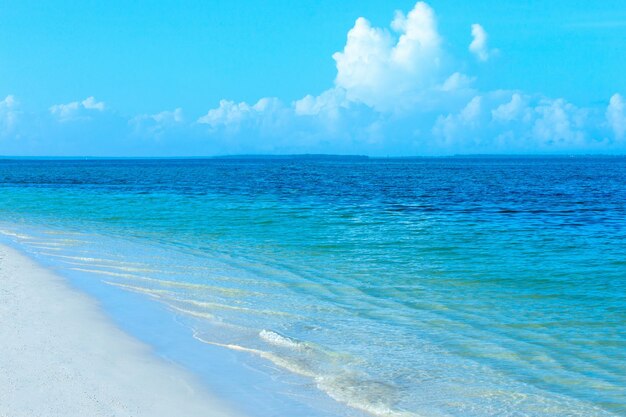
(310, 156)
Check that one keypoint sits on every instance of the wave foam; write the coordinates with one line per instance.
(277, 339)
(349, 388)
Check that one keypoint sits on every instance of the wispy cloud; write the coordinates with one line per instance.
(77, 109)
(8, 115)
(479, 46)
(616, 116)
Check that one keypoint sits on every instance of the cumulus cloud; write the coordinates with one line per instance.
(454, 129)
(451, 126)
(515, 109)
(616, 116)
(8, 115)
(479, 46)
(457, 82)
(514, 122)
(90, 103)
(76, 110)
(157, 124)
(165, 117)
(560, 123)
(396, 91)
(387, 70)
(266, 113)
(169, 117)
(327, 104)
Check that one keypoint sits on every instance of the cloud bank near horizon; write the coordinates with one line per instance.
(397, 91)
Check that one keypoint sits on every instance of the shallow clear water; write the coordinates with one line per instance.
(451, 286)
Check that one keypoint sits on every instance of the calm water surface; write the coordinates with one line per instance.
(423, 287)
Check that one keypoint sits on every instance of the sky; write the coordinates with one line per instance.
(398, 78)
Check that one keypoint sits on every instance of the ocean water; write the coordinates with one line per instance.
(351, 286)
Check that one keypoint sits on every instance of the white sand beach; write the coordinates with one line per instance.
(61, 356)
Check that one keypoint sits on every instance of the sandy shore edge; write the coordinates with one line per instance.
(61, 356)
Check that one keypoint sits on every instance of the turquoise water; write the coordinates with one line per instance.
(423, 287)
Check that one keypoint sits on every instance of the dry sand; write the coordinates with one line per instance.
(61, 356)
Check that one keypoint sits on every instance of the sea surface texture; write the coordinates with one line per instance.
(386, 287)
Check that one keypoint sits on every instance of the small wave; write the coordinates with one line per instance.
(277, 360)
(151, 292)
(191, 312)
(88, 259)
(65, 233)
(60, 243)
(350, 388)
(218, 306)
(17, 235)
(278, 339)
(116, 267)
(224, 291)
(110, 273)
(46, 247)
(371, 396)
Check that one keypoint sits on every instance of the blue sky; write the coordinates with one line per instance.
(381, 78)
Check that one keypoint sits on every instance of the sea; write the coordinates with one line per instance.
(322, 286)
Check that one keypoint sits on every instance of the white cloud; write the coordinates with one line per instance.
(396, 92)
(513, 122)
(8, 103)
(516, 109)
(233, 115)
(454, 127)
(8, 115)
(385, 80)
(559, 123)
(457, 81)
(469, 114)
(479, 46)
(157, 124)
(65, 111)
(168, 117)
(227, 113)
(327, 104)
(77, 110)
(616, 116)
(387, 72)
(91, 104)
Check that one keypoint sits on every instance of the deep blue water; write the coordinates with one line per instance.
(444, 286)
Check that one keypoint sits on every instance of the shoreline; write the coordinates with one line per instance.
(61, 356)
